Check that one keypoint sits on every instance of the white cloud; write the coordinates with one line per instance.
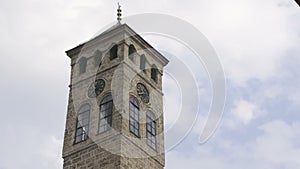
(50, 152)
(276, 147)
(245, 111)
(279, 145)
(181, 160)
(31, 146)
(251, 37)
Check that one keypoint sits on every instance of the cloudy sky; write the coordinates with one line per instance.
(257, 42)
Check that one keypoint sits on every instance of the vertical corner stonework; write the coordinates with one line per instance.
(115, 112)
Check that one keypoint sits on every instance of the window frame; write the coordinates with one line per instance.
(82, 65)
(134, 116)
(151, 130)
(154, 73)
(108, 101)
(84, 110)
(113, 52)
(143, 62)
(97, 58)
(131, 52)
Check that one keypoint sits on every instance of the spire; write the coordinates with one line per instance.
(119, 14)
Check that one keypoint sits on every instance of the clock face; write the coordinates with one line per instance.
(96, 88)
(142, 92)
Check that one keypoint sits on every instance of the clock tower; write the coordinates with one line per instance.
(115, 109)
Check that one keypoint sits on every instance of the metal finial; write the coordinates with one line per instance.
(119, 14)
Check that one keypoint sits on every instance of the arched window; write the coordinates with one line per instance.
(142, 62)
(154, 73)
(82, 65)
(113, 52)
(131, 52)
(134, 125)
(105, 117)
(97, 58)
(82, 124)
(151, 130)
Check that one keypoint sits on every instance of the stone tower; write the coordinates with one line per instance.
(115, 109)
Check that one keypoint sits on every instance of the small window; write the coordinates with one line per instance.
(105, 116)
(154, 73)
(142, 62)
(113, 52)
(151, 130)
(82, 124)
(131, 52)
(134, 125)
(97, 58)
(82, 65)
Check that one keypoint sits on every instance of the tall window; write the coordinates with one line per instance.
(151, 130)
(105, 117)
(154, 72)
(131, 52)
(82, 65)
(82, 125)
(134, 125)
(97, 58)
(113, 52)
(142, 62)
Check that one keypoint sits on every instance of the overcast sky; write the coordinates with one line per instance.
(257, 42)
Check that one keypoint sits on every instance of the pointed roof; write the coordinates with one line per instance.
(122, 28)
